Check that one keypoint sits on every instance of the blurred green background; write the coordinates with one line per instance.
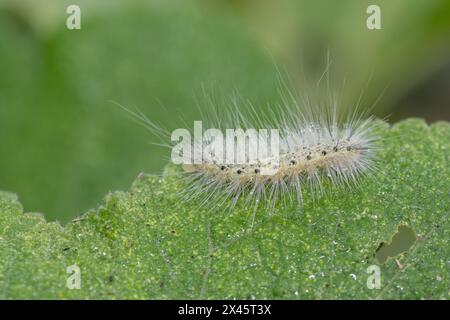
(64, 145)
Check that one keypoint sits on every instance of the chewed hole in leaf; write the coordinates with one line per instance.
(401, 241)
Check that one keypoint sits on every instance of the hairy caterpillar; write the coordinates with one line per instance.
(316, 148)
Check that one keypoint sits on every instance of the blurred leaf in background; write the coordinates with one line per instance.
(63, 144)
(411, 49)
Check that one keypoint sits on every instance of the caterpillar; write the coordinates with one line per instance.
(310, 154)
(316, 148)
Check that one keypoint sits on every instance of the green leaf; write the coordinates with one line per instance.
(148, 244)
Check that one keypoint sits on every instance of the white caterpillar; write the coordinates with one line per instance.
(311, 153)
(315, 149)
